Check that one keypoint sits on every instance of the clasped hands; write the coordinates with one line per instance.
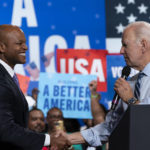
(60, 141)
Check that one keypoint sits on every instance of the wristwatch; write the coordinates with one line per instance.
(132, 100)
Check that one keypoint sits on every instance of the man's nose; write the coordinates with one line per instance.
(39, 121)
(25, 47)
(122, 50)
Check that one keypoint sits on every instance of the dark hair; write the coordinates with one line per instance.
(35, 109)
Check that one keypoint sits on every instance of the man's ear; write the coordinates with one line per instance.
(144, 45)
(2, 47)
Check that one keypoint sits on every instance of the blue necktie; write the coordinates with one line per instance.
(17, 83)
(137, 85)
(16, 80)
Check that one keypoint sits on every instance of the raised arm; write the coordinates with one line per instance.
(97, 110)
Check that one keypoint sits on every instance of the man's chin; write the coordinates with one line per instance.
(22, 62)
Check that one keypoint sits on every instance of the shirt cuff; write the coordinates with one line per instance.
(91, 137)
(47, 140)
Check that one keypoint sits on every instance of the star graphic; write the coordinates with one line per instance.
(74, 32)
(131, 18)
(120, 28)
(131, 2)
(97, 16)
(97, 41)
(4, 4)
(49, 4)
(120, 8)
(73, 8)
(53, 27)
(143, 9)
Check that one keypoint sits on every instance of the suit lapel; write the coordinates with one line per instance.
(19, 95)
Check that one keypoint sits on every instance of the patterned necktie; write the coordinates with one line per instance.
(17, 83)
(137, 85)
(16, 80)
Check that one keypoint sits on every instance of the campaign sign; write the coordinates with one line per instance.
(23, 82)
(115, 64)
(69, 92)
(83, 61)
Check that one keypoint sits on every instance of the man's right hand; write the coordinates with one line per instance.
(59, 142)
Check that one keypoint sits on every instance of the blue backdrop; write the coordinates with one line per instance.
(51, 24)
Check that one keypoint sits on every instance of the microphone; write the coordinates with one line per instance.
(125, 73)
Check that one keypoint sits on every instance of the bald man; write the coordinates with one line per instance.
(14, 134)
(136, 51)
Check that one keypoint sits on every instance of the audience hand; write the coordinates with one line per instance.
(93, 87)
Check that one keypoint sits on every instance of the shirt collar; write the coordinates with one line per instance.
(8, 68)
(146, 70)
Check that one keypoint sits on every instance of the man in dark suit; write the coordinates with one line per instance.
(13, 106)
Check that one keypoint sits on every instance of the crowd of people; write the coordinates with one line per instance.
(55, 121)
(18, 132)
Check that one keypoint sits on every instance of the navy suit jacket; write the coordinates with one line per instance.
(13, 117)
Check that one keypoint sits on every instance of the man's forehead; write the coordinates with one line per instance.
(36, 112)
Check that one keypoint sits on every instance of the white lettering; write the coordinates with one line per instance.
(34, 50)
(71, 66)
(116, 71)
(53, 42)
(82, 42)
(27, 12)
(79, 64)
(62, 65)
(97, 69)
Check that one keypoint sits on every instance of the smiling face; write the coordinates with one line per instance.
(13, 46)
(36, 121)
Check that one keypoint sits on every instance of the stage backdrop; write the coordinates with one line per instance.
(75, 24)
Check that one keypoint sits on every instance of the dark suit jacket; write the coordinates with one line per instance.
(13, 117)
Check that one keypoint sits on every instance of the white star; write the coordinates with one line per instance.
(49, 4)
(97, 16)
(74, 32)
(143, 9)
(120, 8)
(131, 18)
(97, 41)
(120, 28)
(53, 27)
(4, 4)
(131, 2)
(73, 8)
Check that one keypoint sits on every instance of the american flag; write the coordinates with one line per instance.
(32, 70)
(120, 13)
(47, 58)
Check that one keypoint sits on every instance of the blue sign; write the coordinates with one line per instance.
(69, 92)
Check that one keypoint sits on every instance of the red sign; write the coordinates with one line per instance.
(82, 61)
(23, 82)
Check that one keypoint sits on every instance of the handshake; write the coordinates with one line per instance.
(59, 138)
(60, 141)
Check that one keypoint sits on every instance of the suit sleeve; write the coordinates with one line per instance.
(11, 130)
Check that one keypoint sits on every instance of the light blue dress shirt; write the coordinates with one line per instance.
(101, 132)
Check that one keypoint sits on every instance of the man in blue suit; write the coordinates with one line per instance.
(13, 106)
